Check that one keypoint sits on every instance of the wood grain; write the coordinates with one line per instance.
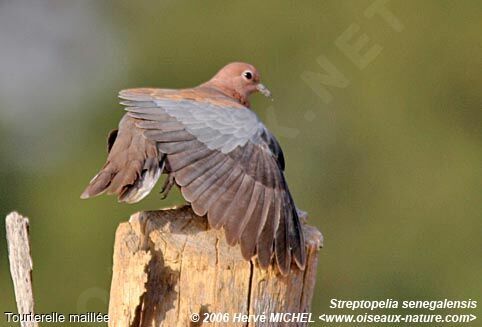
(168, 265)
(21, 264)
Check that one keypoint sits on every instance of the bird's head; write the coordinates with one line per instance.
(239, 79)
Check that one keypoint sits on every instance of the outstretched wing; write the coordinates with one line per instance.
(229, 166)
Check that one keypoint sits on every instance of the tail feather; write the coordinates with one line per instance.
(144, 184)
(132, 168)
(98, 184)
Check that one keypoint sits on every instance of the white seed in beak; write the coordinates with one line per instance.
(263, 90)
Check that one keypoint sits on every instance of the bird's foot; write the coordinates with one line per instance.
(303, 215)
(168, 184)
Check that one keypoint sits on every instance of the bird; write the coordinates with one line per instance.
(212, 145)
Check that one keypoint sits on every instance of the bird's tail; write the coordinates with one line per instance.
(132, 168)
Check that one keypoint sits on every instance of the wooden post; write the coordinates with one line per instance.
(169, 266)
(20, 264)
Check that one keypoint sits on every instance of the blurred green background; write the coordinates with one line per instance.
(389, 170)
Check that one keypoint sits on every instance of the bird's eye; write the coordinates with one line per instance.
(248, 75)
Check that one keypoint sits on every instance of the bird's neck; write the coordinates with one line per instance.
(228, 91)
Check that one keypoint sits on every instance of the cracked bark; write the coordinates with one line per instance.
(168, 265)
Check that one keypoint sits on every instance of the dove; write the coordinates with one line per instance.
(227, 164)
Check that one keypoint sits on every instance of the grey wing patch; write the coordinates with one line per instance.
(219, 128)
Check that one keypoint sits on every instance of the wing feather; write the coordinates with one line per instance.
(176, 147)
(237, 209)
(248, 234)
(216, 214)
(165, 136)
(229, 166)
(194, 189)
(281, 244)
(266, 239)
(196, 169)
(213, 192)
(182, 159)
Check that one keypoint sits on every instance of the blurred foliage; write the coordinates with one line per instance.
(390, 170)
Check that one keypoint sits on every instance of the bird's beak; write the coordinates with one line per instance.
(263, 90)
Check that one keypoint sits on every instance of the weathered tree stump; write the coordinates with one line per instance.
(168, 265)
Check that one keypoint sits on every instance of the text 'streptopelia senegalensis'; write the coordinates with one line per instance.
(226, 162)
